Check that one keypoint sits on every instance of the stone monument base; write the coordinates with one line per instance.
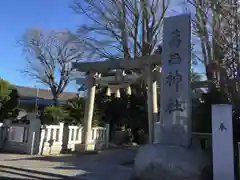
(163, 162)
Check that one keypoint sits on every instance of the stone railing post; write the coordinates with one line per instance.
(64, 135)
(61, 132)
(107, 126)
(33, 134)
(4, 134)
(42, 140)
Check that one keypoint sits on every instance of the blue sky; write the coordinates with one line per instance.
(18, 15)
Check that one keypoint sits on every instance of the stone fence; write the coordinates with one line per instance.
(33, 138)
(59, 138)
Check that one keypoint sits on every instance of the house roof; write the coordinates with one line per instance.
(42, 93)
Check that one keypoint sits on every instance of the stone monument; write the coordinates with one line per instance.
(173, 158)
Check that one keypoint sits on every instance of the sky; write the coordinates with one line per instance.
(18, 15)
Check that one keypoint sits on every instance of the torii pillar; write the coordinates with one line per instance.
(89, 108)
(151, 102)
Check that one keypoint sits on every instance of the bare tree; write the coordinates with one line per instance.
(121, 28)
(48, 57)
(216, 24)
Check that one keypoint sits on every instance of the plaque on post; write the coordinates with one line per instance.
(222, 142)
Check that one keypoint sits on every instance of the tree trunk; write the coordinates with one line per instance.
(55, 101)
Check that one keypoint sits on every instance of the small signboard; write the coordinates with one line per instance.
(16, 133)
(222, 142)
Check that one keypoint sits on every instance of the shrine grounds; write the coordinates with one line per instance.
(110, 164)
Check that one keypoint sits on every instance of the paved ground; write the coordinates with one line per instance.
(102, 166)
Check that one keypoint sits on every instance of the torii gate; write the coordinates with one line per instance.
(146, 65)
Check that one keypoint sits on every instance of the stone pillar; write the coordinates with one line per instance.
(107, 126)
(89, 107)
(155, 109)
(155, 101)
(42, 140)
(173, 158)
(6, 124)
(222, 142)
(150, 103)
(64, 136)
(175, 98)
(61, 131)
(33, 134)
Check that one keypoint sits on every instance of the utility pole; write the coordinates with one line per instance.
(36, 101)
